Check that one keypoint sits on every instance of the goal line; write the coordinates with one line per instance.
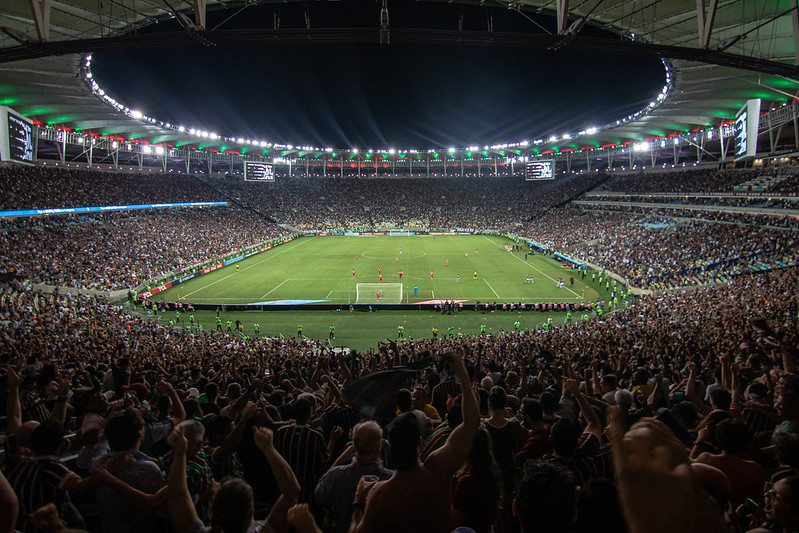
(373, 293)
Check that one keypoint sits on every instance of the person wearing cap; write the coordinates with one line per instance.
(418, 496)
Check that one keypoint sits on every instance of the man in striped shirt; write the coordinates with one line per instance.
(303, 448)
(43, 478)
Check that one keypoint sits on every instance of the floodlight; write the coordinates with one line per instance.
(354, 150)
(159, 150)
(136, 114)
(391, 151)
(114, 145)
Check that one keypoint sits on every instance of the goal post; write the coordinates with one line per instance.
(390, 293)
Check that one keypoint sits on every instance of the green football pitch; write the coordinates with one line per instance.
(351, 270)
(319, 269)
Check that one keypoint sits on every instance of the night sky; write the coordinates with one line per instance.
(379, 96)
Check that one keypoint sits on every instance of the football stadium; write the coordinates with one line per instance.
(460, 266)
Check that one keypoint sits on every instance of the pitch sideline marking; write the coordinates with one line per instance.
(534, 267)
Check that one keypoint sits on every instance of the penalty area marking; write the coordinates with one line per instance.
(270, 256)
(492, 289)
(534, 267)
(276, 288)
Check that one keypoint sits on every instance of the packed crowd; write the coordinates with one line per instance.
(695, 180)
(193, 431)
(48, 188)
(119, 250)
(489, 204)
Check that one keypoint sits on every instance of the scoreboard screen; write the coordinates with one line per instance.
(16, 137)
(745, 129)
(258, 171)
(540, 170)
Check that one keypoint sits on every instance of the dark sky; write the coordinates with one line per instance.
(379, 96)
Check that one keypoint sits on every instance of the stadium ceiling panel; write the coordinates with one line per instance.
(720, 53)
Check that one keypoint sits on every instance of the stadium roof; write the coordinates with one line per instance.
(718, 57)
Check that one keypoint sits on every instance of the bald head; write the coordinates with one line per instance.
(367, 438)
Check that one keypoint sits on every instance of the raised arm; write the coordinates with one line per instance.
(450, 457)
(593, 424)
(13, 404)
(234, 437)
(9, 505)
(164, 387)
(286, 480)
(181, 507)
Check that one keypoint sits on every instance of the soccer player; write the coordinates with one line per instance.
(450, 332)
(299, 329)
(401, 273)
(353, 272)
(431, 275)
(218, 324)
(332, 333)
(379, 271)
(475, 274)
(238, 267)
(458, 278)
(446, 263)
(400, 331)
(435, 332)
(229, 325)
(396, 259)
(400, 250)
(378, 295)
(380, 277)
(415, 290)
(482, 329)
(257, 328)
(517, 325)
(356, 258)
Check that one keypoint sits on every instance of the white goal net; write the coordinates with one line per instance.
(389, 293)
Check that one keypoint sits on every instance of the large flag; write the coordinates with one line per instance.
(375, 394)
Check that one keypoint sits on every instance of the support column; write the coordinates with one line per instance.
(705, 21)
(795, 123)
(41, 18)
(562, 15)
(199, 13)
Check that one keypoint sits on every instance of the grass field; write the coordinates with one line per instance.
(320, 269)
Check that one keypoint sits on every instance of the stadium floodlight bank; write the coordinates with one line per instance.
(390, 293)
